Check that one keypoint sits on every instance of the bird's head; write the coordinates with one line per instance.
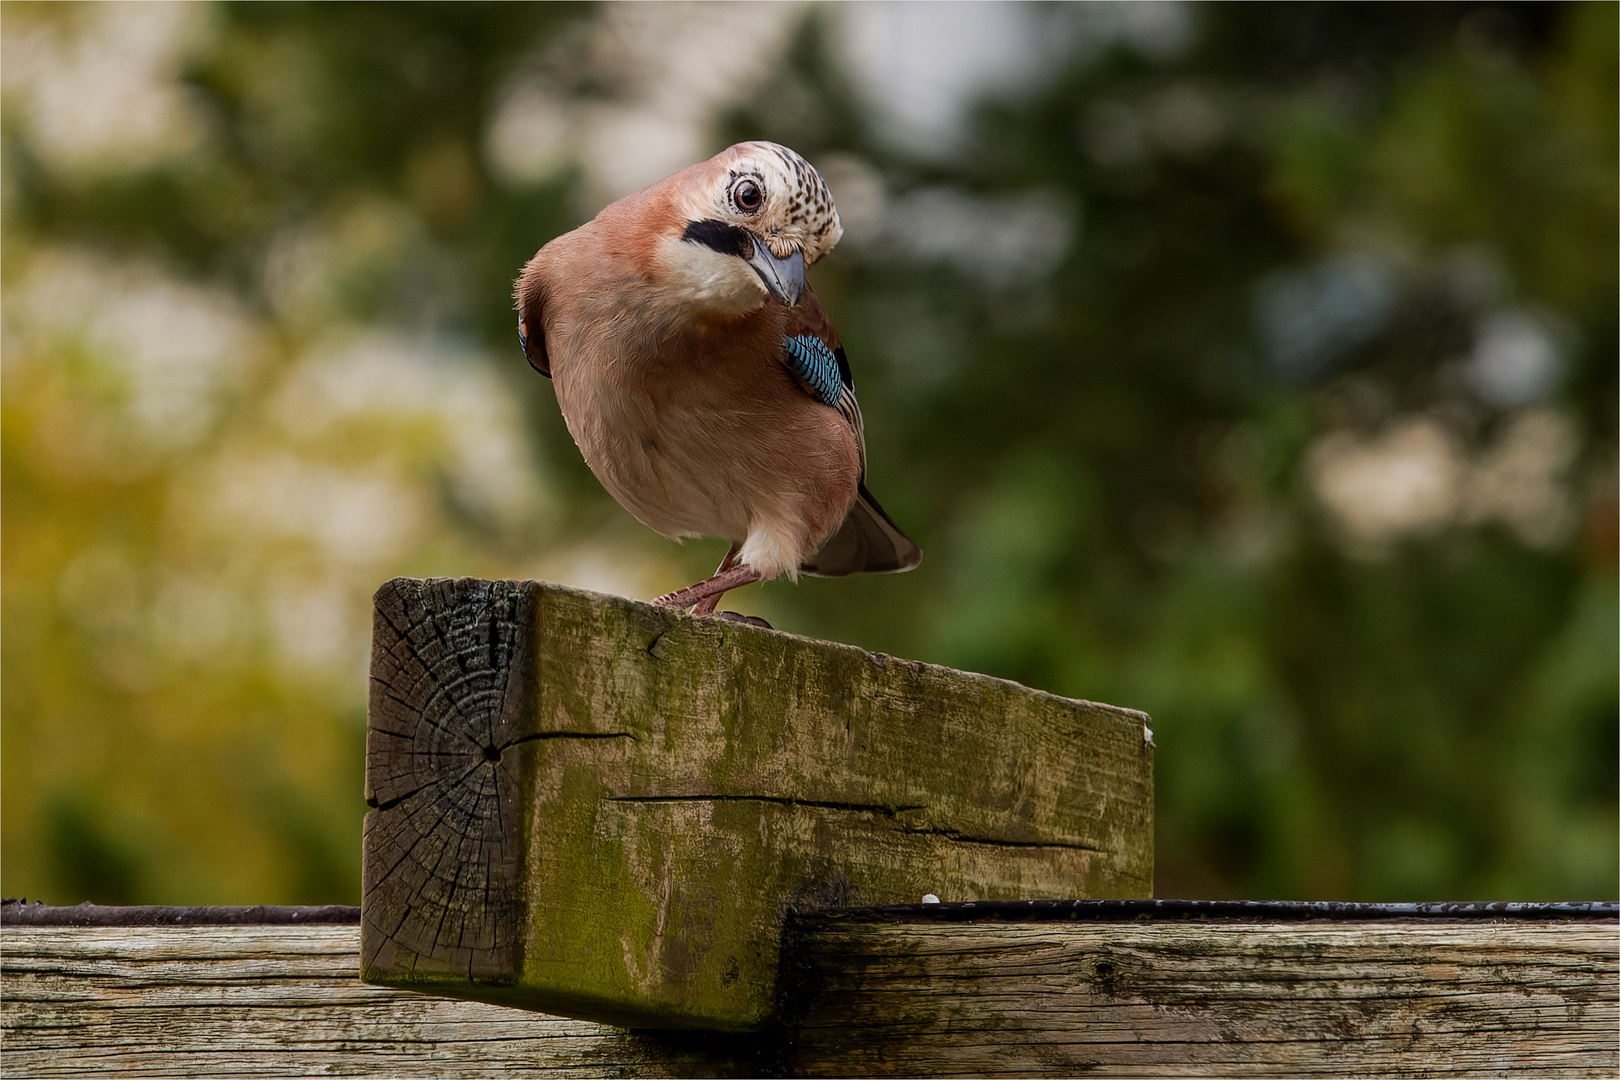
(750, 220)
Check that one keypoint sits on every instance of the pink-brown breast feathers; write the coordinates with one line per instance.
(692, 420)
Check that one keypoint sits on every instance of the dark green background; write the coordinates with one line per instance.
(1106, 465)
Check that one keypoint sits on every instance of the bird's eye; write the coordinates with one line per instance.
(748, 197)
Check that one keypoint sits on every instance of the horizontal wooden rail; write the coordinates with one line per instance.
(1422, 997)
(22, 913)
(1123, 988)
(268, 1001)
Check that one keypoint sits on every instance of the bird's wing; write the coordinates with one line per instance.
(867, 541)
(529, 293)
(810, 349)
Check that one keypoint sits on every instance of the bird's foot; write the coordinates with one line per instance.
(721, 582)
(739, 617)
(707, 605)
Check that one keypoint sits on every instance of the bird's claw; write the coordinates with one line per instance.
(747, 620)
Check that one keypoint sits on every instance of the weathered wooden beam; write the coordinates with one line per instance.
(886, 995)
(23, 913)
(278, 1001)
(593, 807)
(1400, 998)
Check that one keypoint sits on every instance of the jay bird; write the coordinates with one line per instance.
(700, 375)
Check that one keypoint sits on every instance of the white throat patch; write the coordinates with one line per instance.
(701, 278)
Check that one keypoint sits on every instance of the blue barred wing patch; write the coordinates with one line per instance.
(813, 362)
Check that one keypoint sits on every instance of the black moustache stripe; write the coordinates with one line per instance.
(724, 238)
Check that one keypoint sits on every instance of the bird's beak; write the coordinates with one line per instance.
(783, 278)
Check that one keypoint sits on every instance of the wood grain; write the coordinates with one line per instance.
(1400, 999)
(281, 1001)
(1206, 999)
(589, 806)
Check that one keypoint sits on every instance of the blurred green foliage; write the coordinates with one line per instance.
(1266, 384)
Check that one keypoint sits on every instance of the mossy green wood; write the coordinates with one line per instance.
(592, 807)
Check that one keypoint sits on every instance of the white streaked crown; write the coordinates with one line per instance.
(797, 211)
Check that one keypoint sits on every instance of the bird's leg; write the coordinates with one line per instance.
(706, 606)
(735, 577)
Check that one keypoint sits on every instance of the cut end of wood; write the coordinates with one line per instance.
(449, 669)
(593, 807)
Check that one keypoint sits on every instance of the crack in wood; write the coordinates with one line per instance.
(653, 644)
(990, 841)
(952, 835)
(571, 735)
(443, 783)
(777, 800)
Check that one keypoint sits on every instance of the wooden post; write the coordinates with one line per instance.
(596, 808)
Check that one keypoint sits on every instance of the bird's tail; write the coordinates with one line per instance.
(867, 542)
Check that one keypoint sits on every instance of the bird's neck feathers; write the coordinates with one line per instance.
(680, 281)
(703, 284)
